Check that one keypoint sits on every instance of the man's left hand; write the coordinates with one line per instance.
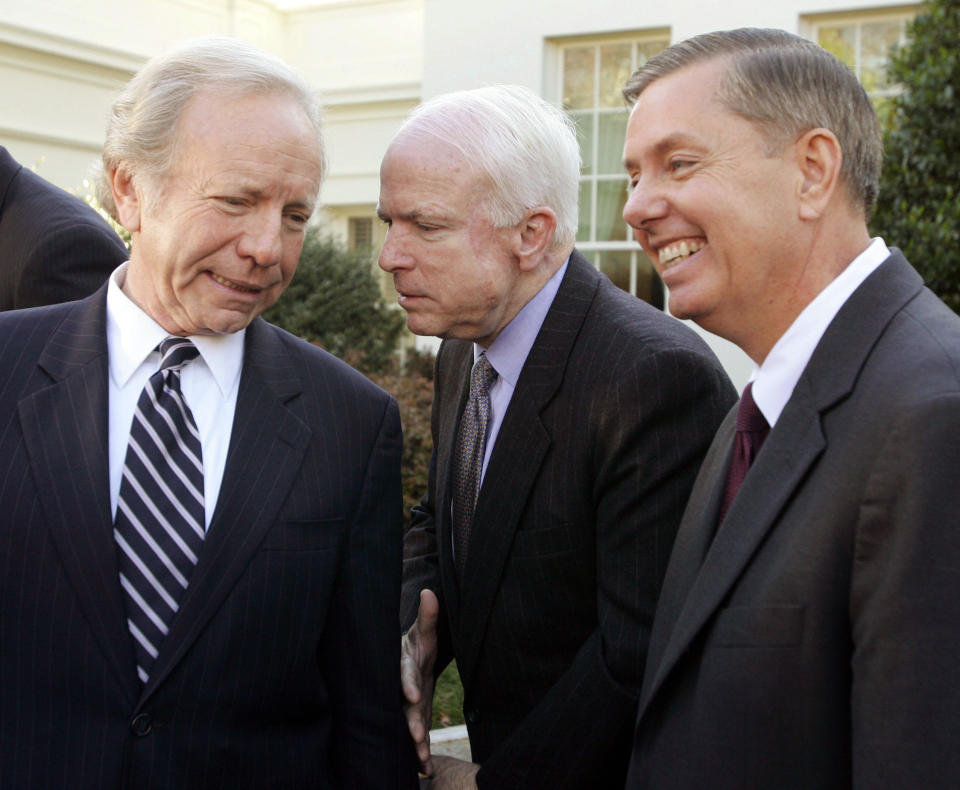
(449, 773)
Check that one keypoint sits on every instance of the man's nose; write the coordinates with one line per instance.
(644, 203)
(393, 255)
(263, 240)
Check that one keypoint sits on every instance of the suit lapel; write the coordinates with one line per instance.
(456, 379)
(65, 429)
(267, 446)
(508, 482)
(692, 591)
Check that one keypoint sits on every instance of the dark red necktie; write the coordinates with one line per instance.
(752, 429)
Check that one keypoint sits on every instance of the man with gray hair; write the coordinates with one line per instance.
(808, 632)
(200, 514)
(569, 420)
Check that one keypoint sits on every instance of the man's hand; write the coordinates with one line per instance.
(418, 652)
(449, 773)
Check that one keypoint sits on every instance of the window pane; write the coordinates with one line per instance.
(612, 130)
(614, 70)
(611, 197)
(578, 78)
(584, 124)
(876, 39)
(841, 40)
(647, 49)
(586, 204)
(616, 265)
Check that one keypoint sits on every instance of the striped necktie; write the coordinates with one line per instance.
(159, 526)
(468, 456)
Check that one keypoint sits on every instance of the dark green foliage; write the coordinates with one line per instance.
(919, 205)
(448, 698)
(413, 389)
(335, 302)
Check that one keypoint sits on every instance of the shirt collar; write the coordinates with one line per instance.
(509, 351)
(774, 380)
(132, 335)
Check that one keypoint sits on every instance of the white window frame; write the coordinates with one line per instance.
(591, 248)
(811, 24)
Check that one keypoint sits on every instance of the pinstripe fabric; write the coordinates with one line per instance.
(53, 247)
(280, 667)
(613, 410)
(159, 524)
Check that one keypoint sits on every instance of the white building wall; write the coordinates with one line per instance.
(62, 61)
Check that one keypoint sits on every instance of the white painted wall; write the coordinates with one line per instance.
(61, 62)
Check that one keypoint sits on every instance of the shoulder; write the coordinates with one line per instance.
(622, 328)
(320, 370)
(43, 209)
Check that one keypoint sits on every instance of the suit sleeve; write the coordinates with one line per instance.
(69, 263)
(369, 733)
(650, 428)
(421, 561)
(905, 609)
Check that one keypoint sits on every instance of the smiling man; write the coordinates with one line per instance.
(808, 631)
(569, 419)
(199, 513)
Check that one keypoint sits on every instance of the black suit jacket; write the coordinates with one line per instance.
(279, 670)
(607, 426)
(816, 642)
(53, 247)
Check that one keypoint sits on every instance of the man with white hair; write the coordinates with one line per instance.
(199, 513)
(569, 420)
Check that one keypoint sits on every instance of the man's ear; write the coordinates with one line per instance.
(535, 236)
(819, 158)
(126, 197)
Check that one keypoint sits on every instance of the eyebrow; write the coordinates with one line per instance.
(668, 143)
(417, 215)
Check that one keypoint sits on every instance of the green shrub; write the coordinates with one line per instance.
(334, 301)
(919, 205)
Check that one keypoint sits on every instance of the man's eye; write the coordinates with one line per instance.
(679, 164)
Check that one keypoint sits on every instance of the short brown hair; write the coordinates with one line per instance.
(786, 85)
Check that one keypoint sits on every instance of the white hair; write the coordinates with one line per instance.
(525, 148)
(142, 130)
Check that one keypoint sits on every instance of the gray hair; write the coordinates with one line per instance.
(523, 146)
(786, 85)
(142, 130)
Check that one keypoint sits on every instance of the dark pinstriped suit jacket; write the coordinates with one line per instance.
(280, 668)
(610, 418)
(815, 642)
(53, 247)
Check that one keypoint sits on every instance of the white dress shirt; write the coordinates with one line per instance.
(774, 380)
(209, 384)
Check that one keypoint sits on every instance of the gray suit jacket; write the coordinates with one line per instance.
(607, 426)
(815, 643)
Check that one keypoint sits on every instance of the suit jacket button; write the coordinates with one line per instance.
(141, 725)
(473, 716)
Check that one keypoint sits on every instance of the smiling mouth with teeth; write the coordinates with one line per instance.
(674, 253)
(231, 284)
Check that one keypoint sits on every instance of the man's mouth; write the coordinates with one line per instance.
(231, 284)
(678, 251)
